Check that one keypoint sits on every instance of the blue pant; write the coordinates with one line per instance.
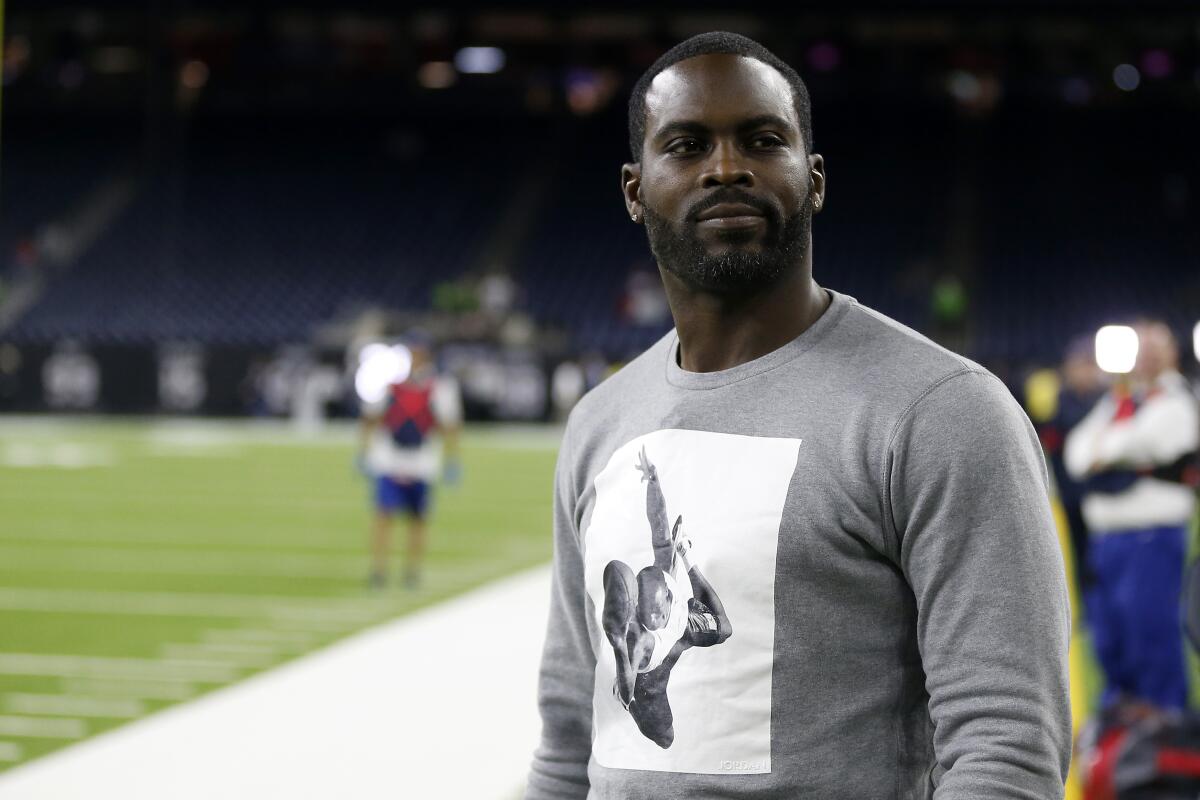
(1134, 613)
(392, 496)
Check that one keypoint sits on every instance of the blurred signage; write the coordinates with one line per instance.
(182, 385)
(71, 378)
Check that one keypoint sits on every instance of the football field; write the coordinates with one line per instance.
(146, 564)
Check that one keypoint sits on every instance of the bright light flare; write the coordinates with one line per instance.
(1116, 348)
(1126, 77)
(379, 366)
(479, 60)
(1196, 341)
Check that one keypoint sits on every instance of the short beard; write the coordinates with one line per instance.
(734, 272)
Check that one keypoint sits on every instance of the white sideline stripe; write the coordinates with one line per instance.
(182, 562)
(40, 728)
(132, 688)
(11, 751)
(74, 705)
(187, 604)
(441, 703)
(64, 666)
(61, 455)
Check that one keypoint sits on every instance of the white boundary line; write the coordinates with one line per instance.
(440, 703)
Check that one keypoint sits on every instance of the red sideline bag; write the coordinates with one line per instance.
(1141, 754)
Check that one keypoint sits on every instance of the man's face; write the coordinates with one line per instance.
(1156, 350)
(725, 177)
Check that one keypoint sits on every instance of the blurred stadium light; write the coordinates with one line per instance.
(379, 366)
(1126, 77)
(479, 60)
(1116, 348)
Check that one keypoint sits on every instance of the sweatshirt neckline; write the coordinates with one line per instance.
(678, 376)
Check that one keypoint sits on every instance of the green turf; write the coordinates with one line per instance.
(172, 535)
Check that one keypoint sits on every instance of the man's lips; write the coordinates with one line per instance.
(728, 211)
(730, 216)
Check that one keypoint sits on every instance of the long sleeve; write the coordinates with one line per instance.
(1162, 431)
(559, 770)
(1080, 448)
(967, 491)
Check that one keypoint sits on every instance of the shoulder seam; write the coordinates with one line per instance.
(884, 485)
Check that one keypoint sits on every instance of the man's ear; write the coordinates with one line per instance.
(816, 170)
(631, 183)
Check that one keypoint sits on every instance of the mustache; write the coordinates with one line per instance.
(731, 194)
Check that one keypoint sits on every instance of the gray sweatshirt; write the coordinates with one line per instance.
(830, 572)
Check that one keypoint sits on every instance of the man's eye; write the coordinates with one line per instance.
(766, 140)
(684, 146)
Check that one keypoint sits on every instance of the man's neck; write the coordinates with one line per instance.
(719, 333)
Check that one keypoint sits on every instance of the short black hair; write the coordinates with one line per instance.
(707, 44)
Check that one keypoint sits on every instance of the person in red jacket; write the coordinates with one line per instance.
(399, 452)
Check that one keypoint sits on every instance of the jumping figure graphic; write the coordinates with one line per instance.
(649, 623)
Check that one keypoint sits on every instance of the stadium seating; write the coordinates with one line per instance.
(253, 236)
(254, 233)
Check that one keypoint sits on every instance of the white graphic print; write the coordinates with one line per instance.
(679, 559)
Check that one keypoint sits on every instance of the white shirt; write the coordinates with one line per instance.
(1165, 427)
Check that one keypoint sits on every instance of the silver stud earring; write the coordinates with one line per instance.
(633, 216)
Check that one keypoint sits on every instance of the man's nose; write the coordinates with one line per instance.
(727, 167)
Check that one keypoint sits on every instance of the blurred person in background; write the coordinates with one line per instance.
(1081, 383)
(1135, 454)
(874, 507)
(398, 452)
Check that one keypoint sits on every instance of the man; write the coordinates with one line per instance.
(650, 622)
(1136, 451)
(873, 507)
(1082, 385)
(397, 451)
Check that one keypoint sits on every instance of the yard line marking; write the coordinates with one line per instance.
(66, 666)
(189, 604)
(262, 657)
(518, 437)
(175, 499)
(338, 721)
(181, 562)
(74, 705)
(278, 638)
(11, 751)
(159, 689)
(318, 626)
(318, 540)
(235, 648)
(41, 728)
